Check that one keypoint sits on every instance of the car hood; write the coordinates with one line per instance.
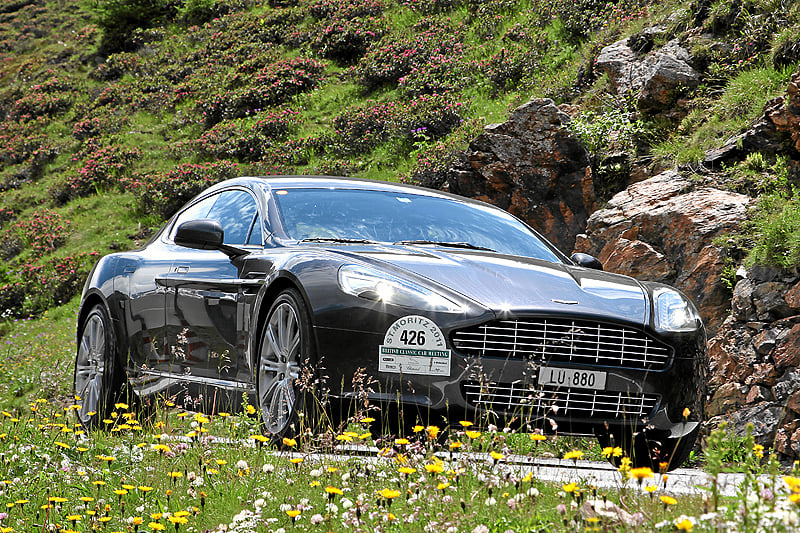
(514, 284)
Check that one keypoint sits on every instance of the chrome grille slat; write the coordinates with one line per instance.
(563, 340)
(511, 397)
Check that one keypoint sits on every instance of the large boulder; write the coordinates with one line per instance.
(663, 229)
(656, 79)
(532, 166)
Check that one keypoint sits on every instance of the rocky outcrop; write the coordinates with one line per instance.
(656, 78)
(662, 229)
(755, 362)
(532, 166)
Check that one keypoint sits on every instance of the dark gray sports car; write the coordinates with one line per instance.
(402, 296)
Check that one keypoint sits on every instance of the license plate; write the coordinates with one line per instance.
(571, 377)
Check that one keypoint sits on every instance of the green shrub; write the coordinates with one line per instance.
(777, 230)
(120, 18)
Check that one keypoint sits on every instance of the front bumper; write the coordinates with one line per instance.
(505, 390)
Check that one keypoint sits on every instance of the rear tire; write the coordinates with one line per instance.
(97, 380)
(286, 369)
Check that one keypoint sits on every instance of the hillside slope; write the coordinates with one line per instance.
(113, 113)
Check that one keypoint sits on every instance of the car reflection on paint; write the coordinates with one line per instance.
(291, 289)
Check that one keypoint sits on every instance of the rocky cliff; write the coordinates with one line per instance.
(663, 228)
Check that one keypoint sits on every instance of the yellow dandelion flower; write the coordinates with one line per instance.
(333, 491)
(455, 445)
(388, 494)
(683, 524)
(155, 526)
(573, 455)
(344, 438)
(293, 513)
(570, 487)
(641, 473)
(434, 468)
(401, 441)
(465, 423)
(259, 438)
(417, 428)
(442, 486)
(406, 470)
(668, 500)
(472, 434)
(296, 460)
(537, 437)
(250, 410)
(496, 456)
(289, 442)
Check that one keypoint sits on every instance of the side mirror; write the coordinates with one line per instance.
(586, 260)
(202, 234)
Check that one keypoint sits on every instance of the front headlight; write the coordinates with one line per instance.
(372, 284)
(674, 312)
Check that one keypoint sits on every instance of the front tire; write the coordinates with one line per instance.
(96, 379)
(285, 378)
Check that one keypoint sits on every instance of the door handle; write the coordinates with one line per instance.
(181, 269)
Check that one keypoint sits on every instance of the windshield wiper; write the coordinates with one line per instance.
(466, 245)
(338, 239)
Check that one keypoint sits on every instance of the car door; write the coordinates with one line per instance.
(204, 315)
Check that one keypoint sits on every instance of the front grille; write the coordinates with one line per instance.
(560, 340)
(528, 402)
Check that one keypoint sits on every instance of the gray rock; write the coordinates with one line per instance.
(765, 419)
(656, 80)
(742, 307)
(765, 341)
(787, 384)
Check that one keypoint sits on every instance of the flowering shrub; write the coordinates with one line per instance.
(117, 65)
(360, 130)
(101, 168)
(44, 232)
(346, 40)
(441, 73)
(396, 56)
(164, 193)
(54, 282)
(22, 141)
(234, 140)
(346, 9)
(272, 86)
(39, 104)
(431, 7)
(510, 65)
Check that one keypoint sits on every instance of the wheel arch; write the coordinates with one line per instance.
(281, 283)
(91, 299)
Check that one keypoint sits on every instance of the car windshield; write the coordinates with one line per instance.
(355, 215)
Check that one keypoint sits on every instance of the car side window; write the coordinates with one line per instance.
(196, 211)
(235, 211)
